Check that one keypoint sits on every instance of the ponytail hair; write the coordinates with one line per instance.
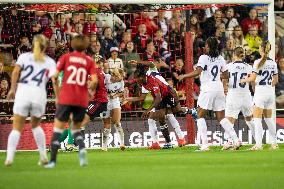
(266, 47)
(39, 46)
(239, 52)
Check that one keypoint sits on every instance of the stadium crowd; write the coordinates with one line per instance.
(146, 36)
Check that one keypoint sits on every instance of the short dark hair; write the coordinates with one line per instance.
(79, 43)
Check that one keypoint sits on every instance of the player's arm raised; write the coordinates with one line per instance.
(14, 80)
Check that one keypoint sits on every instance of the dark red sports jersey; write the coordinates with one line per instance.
(148, 57)
(101, 91)
(155, 86)
(76, 66)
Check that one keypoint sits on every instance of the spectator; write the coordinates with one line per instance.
(210, 25)
(278, 5)
(161, 46)
(177, 21)
(176, 39)
(151, 26)
(4, 82)
(108, 41)
(4, 88)
(78, 29)
(253, 39)
(198, 45)
(281, 46)
(24, 46)
(230, 21)
(238, 36)
(153, 56)
(228, 51)
(129, 56)
(126, 37)
(112, 21)
(194, 22)
(221, 36)
(95, 49)
(279, 88)
(61, 29)
(250, 55)
(3, 74)
(114, 61)
(162, 22)
(177, 70)
(140, 38)
(12, 27)
(252, 20)
(90, 27)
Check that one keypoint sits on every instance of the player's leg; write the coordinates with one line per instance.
(232, 111)
(247, 106)
(106, 132)
(228, 127)
(21, 111)
(153, 132)
(64, 135)
(40, 139)
(115, 119)
(14, 137)
(160, 115)
(78, 116)
(85, 122)
(229, 144)
(250, 124)
(175, 124)
(62, 115)
(271, 125)
(176, 108)
(202, 129)
(257, 119)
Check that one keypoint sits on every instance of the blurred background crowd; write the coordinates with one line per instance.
(149, 35)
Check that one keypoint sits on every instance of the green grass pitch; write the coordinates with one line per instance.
(140, 168)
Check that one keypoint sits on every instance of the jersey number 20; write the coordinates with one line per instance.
(77, 76)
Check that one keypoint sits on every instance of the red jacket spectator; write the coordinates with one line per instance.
(250, 21)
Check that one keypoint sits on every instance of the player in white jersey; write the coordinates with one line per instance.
(29, 78)
(238, 98)
(212, 96)
(265, 76)
(115, 88)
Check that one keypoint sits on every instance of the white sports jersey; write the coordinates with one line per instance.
(264, 76)
(238, 70)
(116, 87)
(117, 63)
(156, 74)
(34, 75)
(210, 76)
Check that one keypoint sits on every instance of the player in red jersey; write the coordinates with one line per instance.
(164, 97)
(99, 100)
(73, 96)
